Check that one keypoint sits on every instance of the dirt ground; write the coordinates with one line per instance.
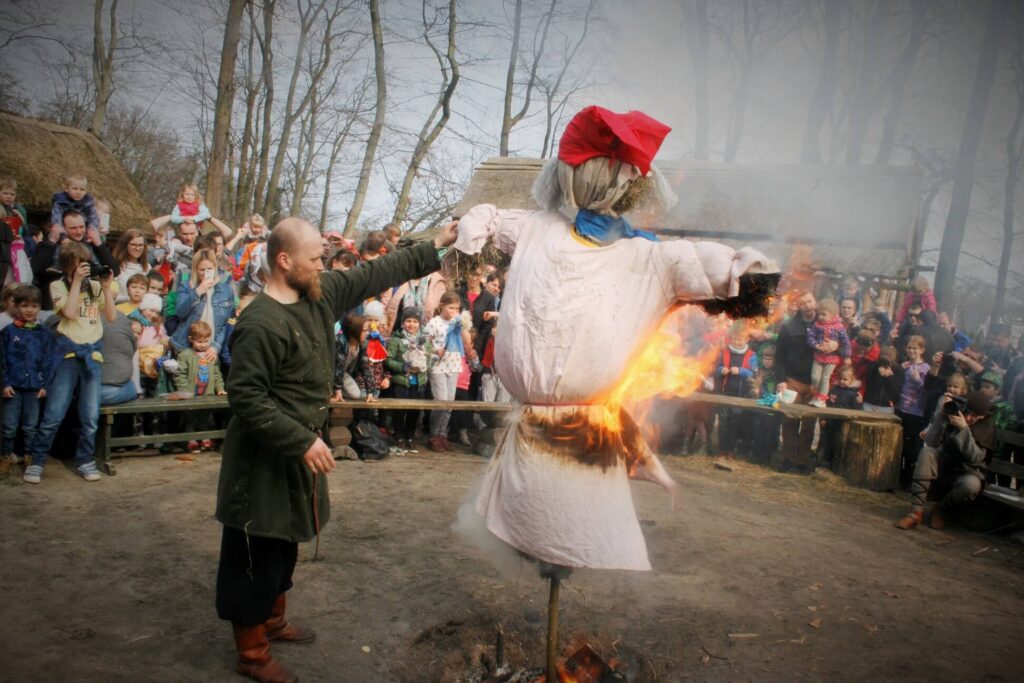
(758, 576)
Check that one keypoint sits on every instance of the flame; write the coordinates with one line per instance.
(663, 366)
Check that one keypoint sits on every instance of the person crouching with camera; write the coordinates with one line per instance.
(957, 444)
(80, 296)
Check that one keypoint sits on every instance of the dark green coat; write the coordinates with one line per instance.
(280, 381)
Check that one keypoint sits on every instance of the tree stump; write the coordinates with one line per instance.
(869, 454)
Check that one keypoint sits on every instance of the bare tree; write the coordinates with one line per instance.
(697, 38)
(825, 89)
(378, 121)
(509, 119)
(102, 63)
(963, 185)
(438, 118)
(222, 109)
(265, 40)
(900, 77)
(865, 97)
(309, 11)
(1014, 146)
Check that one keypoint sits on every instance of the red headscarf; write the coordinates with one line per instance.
(633, 137)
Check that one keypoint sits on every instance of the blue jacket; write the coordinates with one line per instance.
(62, 203)
(188, 308)
(30, 356)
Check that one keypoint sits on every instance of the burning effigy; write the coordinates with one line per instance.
(585, 292)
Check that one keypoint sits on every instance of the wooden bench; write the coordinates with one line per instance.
(105, 441)
(868, 454)
(1008, 495)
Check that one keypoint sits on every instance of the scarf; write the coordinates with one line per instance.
(602, 229)
(25, 325)
(137, 316)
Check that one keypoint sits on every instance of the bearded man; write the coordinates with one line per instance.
(273, 490)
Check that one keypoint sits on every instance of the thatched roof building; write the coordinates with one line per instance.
(39, 154)
(854, 220)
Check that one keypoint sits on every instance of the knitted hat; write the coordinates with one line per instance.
(152, 302)
(374, 309)
(633, 137)
(412, 312)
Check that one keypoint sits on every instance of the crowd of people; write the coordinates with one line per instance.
(151, 313)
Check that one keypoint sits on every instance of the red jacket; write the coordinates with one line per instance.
(863, 362)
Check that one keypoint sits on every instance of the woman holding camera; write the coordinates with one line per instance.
(80, 296)
(205, 294)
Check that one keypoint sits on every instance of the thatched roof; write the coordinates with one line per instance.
(854, 219)
(39, 154)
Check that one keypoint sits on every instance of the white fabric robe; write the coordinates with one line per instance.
(573, 315)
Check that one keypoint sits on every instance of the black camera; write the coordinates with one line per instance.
(99, 272)
(955, 404)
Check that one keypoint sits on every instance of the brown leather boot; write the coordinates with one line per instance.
(912, 520)
(278, 627)
(254, 659)
(936, 519)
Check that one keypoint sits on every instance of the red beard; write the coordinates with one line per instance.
(310, 287)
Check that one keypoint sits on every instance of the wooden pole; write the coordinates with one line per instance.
(551, 675)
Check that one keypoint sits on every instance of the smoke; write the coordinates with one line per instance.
(470, 525)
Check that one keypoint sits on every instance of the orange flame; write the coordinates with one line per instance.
(663, 366)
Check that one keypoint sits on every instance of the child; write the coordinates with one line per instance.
(851, 290)
(737, 366)
(845, 394)
(409, 355)
(75, 197)
(921, 294)
(156, 282)
(445, 331)
(348, 338)
(827, 328)
(883, 382)
(766, 425)
(864, 353)
(138, 287)
(190, 207)
(8, 309)
(371, 375)
(16, 244)
(255, 232)
(31, 359)
(912, 401)
(198, 376)
(152, 341)
(78, 300)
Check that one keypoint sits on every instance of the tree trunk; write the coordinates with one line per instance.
(868, 455)
(431, 129)
(102, 64)
(900, 78)
(697, 30)
(222, 109)
(824, 92)
(267, 72)
(378, 122)
(1014, 157)
(508, 119)
(963, 173)
(246, 167)
(339, 141)
(863, 105)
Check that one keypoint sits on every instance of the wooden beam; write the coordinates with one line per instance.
(795, 410)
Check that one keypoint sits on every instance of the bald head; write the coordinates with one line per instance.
(288, 236)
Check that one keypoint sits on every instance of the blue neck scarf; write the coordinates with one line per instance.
(605, 229)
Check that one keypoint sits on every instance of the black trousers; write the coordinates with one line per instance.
(253, 572)
(404, 424)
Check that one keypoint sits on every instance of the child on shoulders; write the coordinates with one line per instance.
(190, 207)
(75, 197)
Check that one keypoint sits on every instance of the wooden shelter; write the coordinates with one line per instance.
(851, 220)
(38, 154)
